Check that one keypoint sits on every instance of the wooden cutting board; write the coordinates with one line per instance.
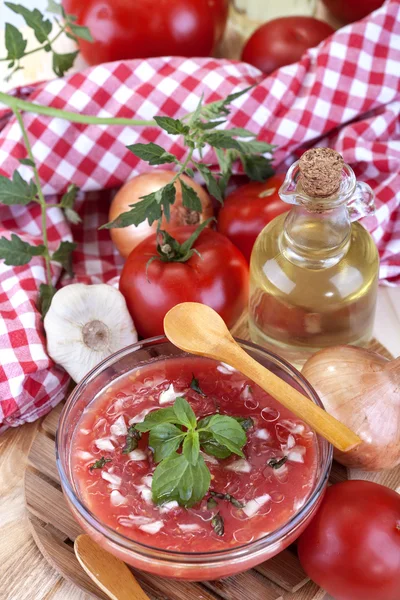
(54, 531)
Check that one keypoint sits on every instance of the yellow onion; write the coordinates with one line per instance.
(361, 389)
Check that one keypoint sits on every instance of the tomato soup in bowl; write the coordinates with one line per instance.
(183, 467)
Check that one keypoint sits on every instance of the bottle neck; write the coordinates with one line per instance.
(316, 240)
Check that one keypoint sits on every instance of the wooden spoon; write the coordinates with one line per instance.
(198, 329)
(111, 574)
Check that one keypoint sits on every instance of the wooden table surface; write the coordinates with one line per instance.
(24, 573)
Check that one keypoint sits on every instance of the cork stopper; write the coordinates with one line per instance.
(320, 172)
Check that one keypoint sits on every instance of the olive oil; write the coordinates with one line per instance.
(314, 275)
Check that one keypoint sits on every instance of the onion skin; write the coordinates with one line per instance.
(362, 390)
(127, 238)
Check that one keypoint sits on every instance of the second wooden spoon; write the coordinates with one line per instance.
(198, 329)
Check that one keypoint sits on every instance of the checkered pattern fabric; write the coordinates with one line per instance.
(345, 94)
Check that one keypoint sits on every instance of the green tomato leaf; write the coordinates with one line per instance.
(16, 252)
(196, 114)
(191, 447)
(221, 140)
(63, 255)
(34, 19)
(157, 417)
(187, 246)
(176, 479)
(152, 153)
(68, 201)
(16, 190)
(81, 32)
(184, 413)
(254, 147)
(63, 62)
(46, 293)
(211, 182)
(240, 132)
(190, 198)
(15, 43)
(209, 124)
(227, 432)
(257, 168)
(165, 440)
(55, 8)
(172, 126)
(27, 161)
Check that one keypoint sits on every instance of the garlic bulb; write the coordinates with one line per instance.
(85, 324)
(361, 389)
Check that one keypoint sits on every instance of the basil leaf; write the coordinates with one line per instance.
(245, 422)
(191, 447)
(194, 384)
(34, 19)
(184, 413)
(211, 446)
(99, 464)
(217, 524)
(165, 440)
(172, 126)
(227, 432)
(16, 252)
(15, 43)
(63, 255)
(190, 198)
(46, 293)
(132, 440)
(63, 62)
(16, 190)
(176, 479)
(277, 463)
(152, 153)
(157, 417)
(211, 503)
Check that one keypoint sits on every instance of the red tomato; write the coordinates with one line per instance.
(352, 546)
(248, 210)
(124, 29)
(218, 278)
(351, 10)
(283, 41)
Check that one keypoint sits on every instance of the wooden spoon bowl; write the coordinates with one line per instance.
(198, 329)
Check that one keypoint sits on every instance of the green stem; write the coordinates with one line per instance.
(39, 47)
(16, 104)
(42, 200)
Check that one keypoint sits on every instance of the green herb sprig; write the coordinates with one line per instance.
(43, 29)
(185, 477)
(99, 464)
(199, 130)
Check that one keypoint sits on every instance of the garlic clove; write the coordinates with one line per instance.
(85, 324)
(361, 389)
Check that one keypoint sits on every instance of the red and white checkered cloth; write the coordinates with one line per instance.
(345, 94)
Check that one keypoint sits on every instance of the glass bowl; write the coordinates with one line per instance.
(195, 566)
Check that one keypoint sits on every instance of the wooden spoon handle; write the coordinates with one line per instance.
(110, 573)
(330, 428)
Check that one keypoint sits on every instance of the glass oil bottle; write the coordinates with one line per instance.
(314, 272)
